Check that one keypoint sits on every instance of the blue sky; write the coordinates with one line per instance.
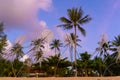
(104, 13)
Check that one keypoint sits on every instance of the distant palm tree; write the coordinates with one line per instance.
(37, 48)
(70, 43)
(17, 50)
(75, 20)
(103, 50)
(116, 48)
(70, 40)
(37, 44)
(112, 62)
(56, 44)
(104, 46)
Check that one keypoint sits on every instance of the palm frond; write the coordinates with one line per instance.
(70, 14)
(80, 13)
(66, 26)
(85, 19)
(65, 20)
(116, 41)
(82, 30)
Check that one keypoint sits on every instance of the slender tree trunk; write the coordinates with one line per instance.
(71, 55)
(55, 51)
(13, 70)
(75, 54)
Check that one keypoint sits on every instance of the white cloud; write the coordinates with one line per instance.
(25, 57)
(22, 14)
(9, 45)
(43, 24)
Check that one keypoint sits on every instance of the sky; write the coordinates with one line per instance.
(28, 18)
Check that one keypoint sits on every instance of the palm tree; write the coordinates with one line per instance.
(70, 42)
(104, 47)
(75, 20)
(17, 50)
(112, 62)
(37, 48)
(116, 48)
(56, 44)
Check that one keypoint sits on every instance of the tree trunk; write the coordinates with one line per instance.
(55, 51)
(75, 54)
(13, 70)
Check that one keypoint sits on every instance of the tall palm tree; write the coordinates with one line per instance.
(75, 20)
(56, 44)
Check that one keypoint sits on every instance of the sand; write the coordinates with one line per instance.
(62, 78)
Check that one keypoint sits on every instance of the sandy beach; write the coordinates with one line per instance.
(62, 78)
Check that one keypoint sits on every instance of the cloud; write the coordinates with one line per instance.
(22, 14)
(24, 58)
(9, 45)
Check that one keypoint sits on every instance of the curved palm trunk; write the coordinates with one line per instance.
(75, 53)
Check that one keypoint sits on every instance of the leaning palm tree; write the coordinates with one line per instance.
(75, 20)
(16, 54)
(56, 44)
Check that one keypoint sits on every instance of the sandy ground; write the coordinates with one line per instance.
(63, 78)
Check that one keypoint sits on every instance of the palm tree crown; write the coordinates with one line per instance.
(75, 19)
(37, 48)
(56, 44)
(70, 40)
(17, 50)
